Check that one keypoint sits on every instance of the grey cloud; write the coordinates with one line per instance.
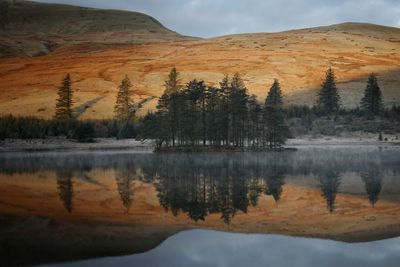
(207, 18)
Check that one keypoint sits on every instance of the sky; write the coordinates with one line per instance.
(208, 18)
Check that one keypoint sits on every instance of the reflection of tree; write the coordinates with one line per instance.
(124, 185)
(65, 188)
(373, 184)
(330, 182)
(274, 181)
(199, 191)
(255, 191)
(225, 202)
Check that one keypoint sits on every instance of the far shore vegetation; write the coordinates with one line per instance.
(198, 117)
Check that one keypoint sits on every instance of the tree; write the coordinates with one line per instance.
(238, 99)
(224, 112)
(274, 98)
(328, 96)
(124, 101)
(64, 101)
(372, 101)
(169, 106)
(276, 130)
(195, 124)
(254, 129)
(173, 84)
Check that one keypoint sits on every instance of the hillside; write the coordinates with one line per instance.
(32, 29)
(298, 58)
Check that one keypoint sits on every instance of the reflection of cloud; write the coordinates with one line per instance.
(216, 17)
(211, 248)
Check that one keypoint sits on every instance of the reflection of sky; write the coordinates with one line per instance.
(211, 248)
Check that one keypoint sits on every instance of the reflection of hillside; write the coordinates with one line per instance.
(202, 184)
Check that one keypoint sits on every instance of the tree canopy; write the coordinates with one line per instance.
(372, 101)
(64, 101)
(328, 96)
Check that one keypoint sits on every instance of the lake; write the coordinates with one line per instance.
(64, 206)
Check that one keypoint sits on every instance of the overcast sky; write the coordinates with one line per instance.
(207, 18)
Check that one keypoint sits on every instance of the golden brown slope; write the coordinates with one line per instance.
(298, 58)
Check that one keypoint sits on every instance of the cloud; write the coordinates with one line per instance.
(207, 18)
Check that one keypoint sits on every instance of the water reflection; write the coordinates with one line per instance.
(227, 249)
(65, 188)
(124, 181)
(372, 178)
(199, 189)
(202, 184)
(329, 179)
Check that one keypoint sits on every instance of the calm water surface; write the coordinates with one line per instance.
(92, 204)
(210, 248)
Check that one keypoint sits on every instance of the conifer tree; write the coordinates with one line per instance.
(173, 84)
(238, 99)
(64, 101)
(124, 100)
(168, 106)
(224, 117)
(274, 98)
(372, 101)
(328, 96)
(276, 130)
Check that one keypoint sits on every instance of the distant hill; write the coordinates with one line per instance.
(32, 29)
(99, 47)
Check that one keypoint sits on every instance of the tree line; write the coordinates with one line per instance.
(197, 115)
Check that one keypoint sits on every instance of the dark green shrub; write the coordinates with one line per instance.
(84, 132)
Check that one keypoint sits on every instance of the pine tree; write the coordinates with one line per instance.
(274, 98)
(238, 99)
(372, 101)
(169, 104)
(328, 96)
(276, 130)
(64, 101)
(254, 128)
(224, 113)
(124, 100)
(173, 84)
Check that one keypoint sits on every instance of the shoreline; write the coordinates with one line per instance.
(132, 145)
